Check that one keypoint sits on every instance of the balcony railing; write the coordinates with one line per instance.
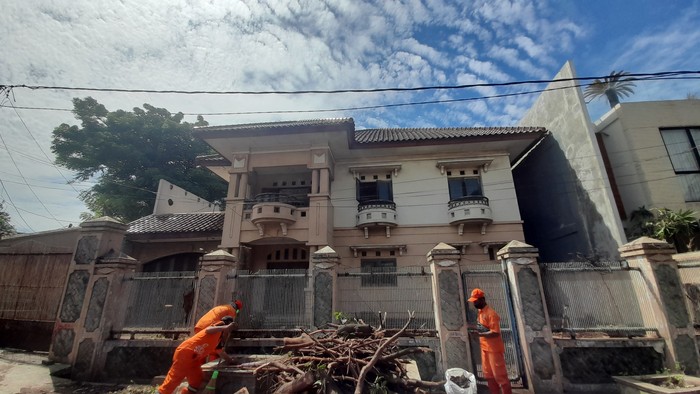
(376, 204)
(291, 199)
(469, 200)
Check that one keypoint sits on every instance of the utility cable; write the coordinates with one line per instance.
(630, 77)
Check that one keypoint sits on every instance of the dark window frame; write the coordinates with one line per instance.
(460, 187)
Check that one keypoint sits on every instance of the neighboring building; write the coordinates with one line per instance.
(381, 198)
(565, 197)
(651, 150)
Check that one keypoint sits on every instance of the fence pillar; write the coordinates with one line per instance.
(654, 259)
(212, 284)
(450, 308)
(87, 315)
(542, 365)
(325, 261)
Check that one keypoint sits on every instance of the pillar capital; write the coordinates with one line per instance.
(444, 255)
(217, 260)
(646, 246)
(325, 258)
(519, 251)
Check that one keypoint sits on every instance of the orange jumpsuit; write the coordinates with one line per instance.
(214, 316)
(188, 360)
(493, 362)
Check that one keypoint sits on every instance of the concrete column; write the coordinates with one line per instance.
(665, 289)
(314, 181)
(325, 181)
(450, 308)
(324, 262)
(233, 214)
(542, 365)
(212, 282)
(87, 315)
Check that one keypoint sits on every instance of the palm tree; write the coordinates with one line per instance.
(613, 87)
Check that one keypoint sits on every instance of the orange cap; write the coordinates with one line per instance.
(476, 294)
(238, 304)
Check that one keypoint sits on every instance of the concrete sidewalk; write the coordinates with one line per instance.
(23, 372)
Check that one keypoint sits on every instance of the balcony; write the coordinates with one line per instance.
(273, 209)
(376, 213)
(470, 209)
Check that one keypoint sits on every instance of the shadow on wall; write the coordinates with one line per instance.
(559, 217)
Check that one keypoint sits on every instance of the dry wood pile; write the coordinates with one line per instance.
(345, 358)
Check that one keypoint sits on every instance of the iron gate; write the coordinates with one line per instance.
(493, 281)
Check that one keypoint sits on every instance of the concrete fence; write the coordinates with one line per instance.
(656, 334)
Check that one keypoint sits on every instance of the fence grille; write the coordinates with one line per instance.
(160, 300)
(606, 297)
(364, 295)
(273, 299)
(31, 286)
(690, 277)
(490, 279)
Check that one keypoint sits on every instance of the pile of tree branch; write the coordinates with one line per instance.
(345, 358)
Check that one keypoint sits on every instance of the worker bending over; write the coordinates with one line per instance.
(217, 313)
(493, 361)
(189, 356)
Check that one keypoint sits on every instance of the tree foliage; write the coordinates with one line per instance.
(128, 153)
(6, 228)
(613, 87)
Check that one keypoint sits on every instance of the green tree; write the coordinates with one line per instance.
(128, 153)
(613, 87)
(6, 228)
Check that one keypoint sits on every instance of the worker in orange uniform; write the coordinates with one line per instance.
(493, 361)
(188, 357)
(217, 313)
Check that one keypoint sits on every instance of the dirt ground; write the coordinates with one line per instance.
(28, 373)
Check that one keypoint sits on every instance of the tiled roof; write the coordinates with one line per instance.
(178, 223)
(278, 125)
(418, 134)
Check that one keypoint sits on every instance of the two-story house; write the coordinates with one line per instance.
(381, 198)
(652, 154)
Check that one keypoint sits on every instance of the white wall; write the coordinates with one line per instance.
(421, 194)
(174, 199)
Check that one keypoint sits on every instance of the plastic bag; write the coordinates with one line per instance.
(459, 381)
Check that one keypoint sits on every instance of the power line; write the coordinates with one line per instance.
(393, 105)
(631, 77)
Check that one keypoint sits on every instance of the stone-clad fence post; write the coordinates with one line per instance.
(654, 259)
(542, 365)
(450, 308)
(92, 304)
(324, 262)
(213, 284)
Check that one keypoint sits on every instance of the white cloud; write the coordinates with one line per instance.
(285, 45)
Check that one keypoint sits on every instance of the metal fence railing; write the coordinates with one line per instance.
(364, 295)
(690, 277)
(273, 299)
(491, 279)
(160, 300)
(605, 297)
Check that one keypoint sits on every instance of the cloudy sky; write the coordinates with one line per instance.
(229, 45)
